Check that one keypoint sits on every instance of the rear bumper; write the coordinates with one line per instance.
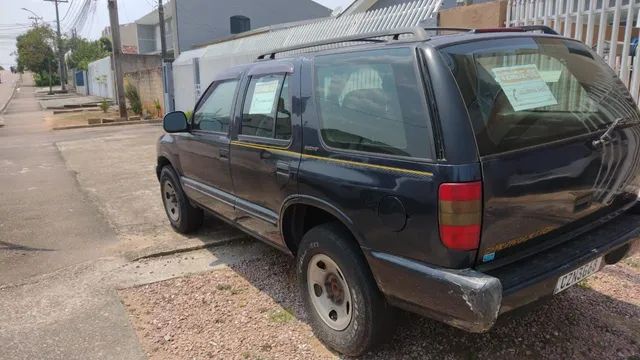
(472, 300)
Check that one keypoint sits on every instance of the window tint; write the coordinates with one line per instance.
(267, 108)
(370, 101)
(214, 112)
(524, 92)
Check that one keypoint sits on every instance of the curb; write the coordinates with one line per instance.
(217, 243)
(117, 123)
(71, 111)
(13, 93)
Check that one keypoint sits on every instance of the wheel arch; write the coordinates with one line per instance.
(161, 162)
(294, 223)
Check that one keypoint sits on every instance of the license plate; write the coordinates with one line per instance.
(575, 276)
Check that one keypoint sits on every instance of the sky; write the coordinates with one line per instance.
(14, 20)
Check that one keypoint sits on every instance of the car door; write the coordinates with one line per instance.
(204, 151)
(265, 151)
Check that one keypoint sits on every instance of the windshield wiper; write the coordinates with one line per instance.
(605, 138)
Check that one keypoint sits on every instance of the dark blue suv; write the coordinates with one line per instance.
(457, 175)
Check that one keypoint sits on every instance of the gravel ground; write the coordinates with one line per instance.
(252, 311)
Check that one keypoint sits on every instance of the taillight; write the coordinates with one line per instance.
(460, 214)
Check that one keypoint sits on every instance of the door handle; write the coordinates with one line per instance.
(265, 155)
(224, 153)
(283, 172)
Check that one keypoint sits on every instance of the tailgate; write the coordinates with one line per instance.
(554, 159)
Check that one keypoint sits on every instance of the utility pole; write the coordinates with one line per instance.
(166, 62)
(50, 84)
(63, 80)
(117, 56)
(163, 35)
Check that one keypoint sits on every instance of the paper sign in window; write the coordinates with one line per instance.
(524, 87)
(264, 97)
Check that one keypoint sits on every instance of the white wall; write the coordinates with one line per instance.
(100, 78)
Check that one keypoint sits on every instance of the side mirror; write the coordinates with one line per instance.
(175, 122)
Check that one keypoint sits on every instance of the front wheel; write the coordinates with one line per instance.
(346, 309)
(184, 218)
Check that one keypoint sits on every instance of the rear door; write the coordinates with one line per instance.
(265, 151)
(538, 107)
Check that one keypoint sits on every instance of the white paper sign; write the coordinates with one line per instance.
(550, 76)
(524, 87)
(264, 97)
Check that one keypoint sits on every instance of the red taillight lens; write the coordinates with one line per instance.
(460, 214)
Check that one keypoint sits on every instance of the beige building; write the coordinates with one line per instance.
(128, 37)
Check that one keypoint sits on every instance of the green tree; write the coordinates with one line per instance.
(34, 50)
(106, 44)
(84, 51)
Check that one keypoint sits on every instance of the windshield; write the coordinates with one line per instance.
(523, 91)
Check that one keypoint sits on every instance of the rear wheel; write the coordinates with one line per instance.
(345, 307)
(184, 217)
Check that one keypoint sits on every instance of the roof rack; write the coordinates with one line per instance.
(419, 33)
(525, 28)
(545, 29)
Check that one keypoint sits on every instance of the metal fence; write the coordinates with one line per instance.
(221, 55)
(609, 26)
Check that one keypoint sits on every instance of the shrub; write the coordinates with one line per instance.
(131, 93)
(188, 114)
(158, 107)
(42, 79)
(104, 105)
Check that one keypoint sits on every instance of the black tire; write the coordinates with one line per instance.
(189, 218)
(372, 318)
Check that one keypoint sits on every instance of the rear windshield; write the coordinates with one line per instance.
(528, 91)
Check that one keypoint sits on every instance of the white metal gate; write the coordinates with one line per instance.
(609, 26)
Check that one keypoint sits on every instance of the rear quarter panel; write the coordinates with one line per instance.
(391, 203)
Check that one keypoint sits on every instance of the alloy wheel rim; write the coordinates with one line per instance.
(170, 200)
(329, 292)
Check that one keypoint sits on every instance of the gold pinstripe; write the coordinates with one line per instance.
(339, 161)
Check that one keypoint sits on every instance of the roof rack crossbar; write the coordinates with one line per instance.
(545, 29)
(435, 28)
(417, 32)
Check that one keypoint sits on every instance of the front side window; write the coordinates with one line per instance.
(267, 108)
(214, 111)
(371, 101)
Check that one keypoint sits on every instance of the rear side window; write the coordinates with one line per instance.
(267, 108)
(528, 91)
(371, 101)
(214, 110)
